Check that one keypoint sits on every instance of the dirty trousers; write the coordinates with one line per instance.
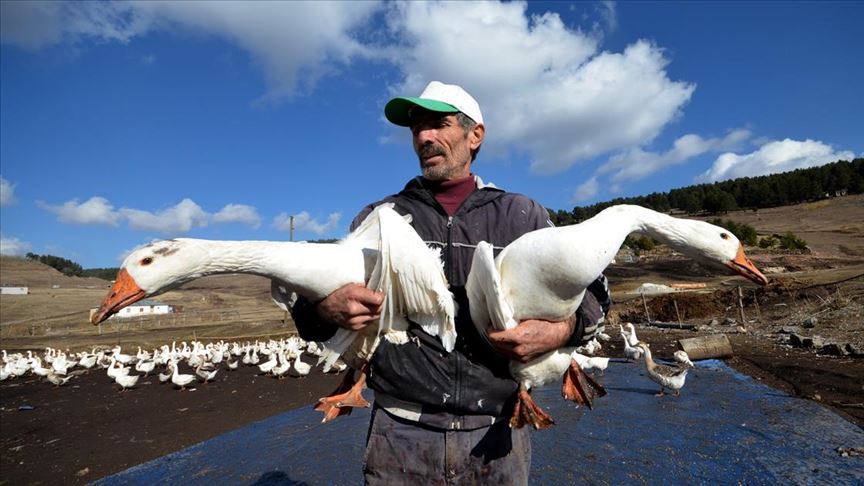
(400, 451)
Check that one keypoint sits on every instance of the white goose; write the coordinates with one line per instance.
(300, 368)
(145, 367)
(632, 339)
(384, 251)
(682, 357)
(631, 351)
(544, 275)
(268, 365)
(126, 381)
(283, 367)
(178, 379)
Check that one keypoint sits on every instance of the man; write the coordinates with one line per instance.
(443, 417)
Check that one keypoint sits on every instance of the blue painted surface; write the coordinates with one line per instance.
(725, 428)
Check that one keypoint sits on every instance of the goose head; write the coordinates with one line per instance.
(151, 270)
(711, 245)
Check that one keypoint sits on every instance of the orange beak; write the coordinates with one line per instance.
(124, 292)
(744, 267)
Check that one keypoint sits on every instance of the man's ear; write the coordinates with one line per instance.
(476, 135)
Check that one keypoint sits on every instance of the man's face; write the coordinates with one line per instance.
(443, 146)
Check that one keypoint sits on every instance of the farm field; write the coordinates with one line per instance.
(89, 425)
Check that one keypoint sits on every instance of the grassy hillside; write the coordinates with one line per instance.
(20, 272)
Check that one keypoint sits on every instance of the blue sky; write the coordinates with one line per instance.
(121, 123)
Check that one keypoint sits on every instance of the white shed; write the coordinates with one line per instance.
(144, 307)
(14, 290)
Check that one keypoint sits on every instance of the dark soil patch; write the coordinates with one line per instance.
(88, 429)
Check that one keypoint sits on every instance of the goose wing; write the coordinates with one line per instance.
(485, 294)
(411, 276)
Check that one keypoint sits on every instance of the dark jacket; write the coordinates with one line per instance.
(473, 380)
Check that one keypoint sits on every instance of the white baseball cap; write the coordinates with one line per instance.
(440, 97)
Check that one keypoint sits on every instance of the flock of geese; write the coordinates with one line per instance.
(541, 275)
(278, 359)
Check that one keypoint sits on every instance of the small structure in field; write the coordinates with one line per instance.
(145, 307)
(14, 290)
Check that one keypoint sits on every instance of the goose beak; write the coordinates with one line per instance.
(744, 267)
(124, 292)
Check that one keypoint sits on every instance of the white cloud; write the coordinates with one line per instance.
(148, 59)
(13, 246)
(96, 210)
(238, 213)
(586, 190)
(7, 192)
(35, 25)
(293, 43)
(177, 219)
(304, 222)
(544, 88)
(636, 164)
(606, 10)
(773, 157)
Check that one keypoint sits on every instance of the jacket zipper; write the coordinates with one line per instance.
(457, 421)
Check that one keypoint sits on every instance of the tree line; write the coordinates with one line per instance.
(72, 269)
(801, 185)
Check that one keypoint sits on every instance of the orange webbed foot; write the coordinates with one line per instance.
(579, 387)
(346, 396)
(527, 411)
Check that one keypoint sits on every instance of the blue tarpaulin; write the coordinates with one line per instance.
(725, 428)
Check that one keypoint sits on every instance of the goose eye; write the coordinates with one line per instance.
(725, 236)
(146, 261)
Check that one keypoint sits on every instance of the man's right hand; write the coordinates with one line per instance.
(351, 306)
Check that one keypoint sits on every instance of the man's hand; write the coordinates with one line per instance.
(532, 338)
(351, 306)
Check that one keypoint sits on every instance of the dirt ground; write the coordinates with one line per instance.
(88, 429)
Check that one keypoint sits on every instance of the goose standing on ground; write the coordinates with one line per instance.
(283, 367)
(268, 365)
(145, 367)
(631, 351)
(544, 275)
(126, 381)
(667, 376)
(301, 369)
(683, 358)
(630, 332)
(205, 375)
(163, 377)
(178, 379)
(384, 253)
(231, 365)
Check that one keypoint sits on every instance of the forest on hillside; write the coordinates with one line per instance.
(831, 180)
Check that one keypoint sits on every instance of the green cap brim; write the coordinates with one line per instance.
(397, 109)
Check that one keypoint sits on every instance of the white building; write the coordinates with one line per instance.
(144, 307)
(14, 290)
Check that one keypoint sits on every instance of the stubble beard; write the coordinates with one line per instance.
(443, 172)
(447, 170)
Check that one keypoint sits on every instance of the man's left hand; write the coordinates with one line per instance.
(532, 338)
